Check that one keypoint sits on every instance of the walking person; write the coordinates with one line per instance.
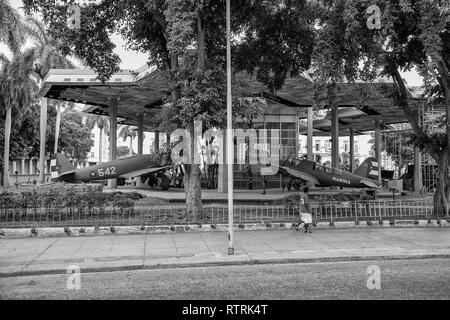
(305, 213)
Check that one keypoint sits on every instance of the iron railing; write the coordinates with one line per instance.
(212, 214)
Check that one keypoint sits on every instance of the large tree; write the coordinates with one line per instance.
(12, 29)
(75, 138)
(126, 132)
(102, 123)
(169, 30)
(48, 55)
(411, 33)
(17, 91)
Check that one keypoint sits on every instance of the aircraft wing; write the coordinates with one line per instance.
(142, 172)
(299, 174)
(65, 174)
(370, 183)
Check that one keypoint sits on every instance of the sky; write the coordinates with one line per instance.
(134, 60)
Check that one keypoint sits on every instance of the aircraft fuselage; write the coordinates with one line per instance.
(111, 170)
(327, 176)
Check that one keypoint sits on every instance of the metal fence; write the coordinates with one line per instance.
(211, 214)
(371, 210)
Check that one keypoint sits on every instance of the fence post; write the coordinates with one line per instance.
(331, 212)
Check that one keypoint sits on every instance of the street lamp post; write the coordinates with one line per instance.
(229, 146)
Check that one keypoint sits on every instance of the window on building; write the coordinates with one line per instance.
(92, 154)
(93, 135)
(317, 147)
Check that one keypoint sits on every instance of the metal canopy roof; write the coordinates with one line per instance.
(361, 104)
(129, 88)
(143, 91)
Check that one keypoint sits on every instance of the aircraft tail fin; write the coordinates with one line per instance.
(368, 169)
(60, 165)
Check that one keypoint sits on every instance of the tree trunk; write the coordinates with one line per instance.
(131, 146)
(57, 128)
(441, 203)
(6, 151)
(192, 185)
(442, 195)
(100, 146)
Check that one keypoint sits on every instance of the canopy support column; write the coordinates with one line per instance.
(141, 134)
(310, 134)
(335, 136)
(378, 147)
(352, 150)
(418, 179)
(156, 142)
(43, 140)
(112, 184)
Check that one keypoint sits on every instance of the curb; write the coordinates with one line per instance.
(228, 263)
(166, 229)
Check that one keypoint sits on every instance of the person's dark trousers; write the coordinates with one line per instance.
(307, 228)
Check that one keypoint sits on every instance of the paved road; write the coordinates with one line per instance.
(400, 279)
(114, 252)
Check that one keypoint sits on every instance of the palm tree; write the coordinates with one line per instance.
(48, 56)
(12, 29)
(102, 123)
(17, 91)
(128, 132)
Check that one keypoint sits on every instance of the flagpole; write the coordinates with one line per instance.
(229, 146)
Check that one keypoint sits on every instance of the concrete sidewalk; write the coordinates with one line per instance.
(114, 252)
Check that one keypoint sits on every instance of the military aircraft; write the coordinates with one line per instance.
(366, 176)
(142, 166)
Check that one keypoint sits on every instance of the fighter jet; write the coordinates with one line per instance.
(142, 166)
(366, 176)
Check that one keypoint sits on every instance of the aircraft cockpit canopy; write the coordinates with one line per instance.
(326, 169)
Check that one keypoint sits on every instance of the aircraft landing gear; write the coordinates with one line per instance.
(164, 182)
(294, 183)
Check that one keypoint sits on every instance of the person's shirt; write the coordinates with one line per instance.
(304, 206)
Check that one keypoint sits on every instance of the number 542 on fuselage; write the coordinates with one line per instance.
(141, 166)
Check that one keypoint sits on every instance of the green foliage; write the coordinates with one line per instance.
(62, 197)
(164, 155)
(276, 41)
(123, 151)
(294, 199)
(98, 19)
(75, 138)
(12, 30)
